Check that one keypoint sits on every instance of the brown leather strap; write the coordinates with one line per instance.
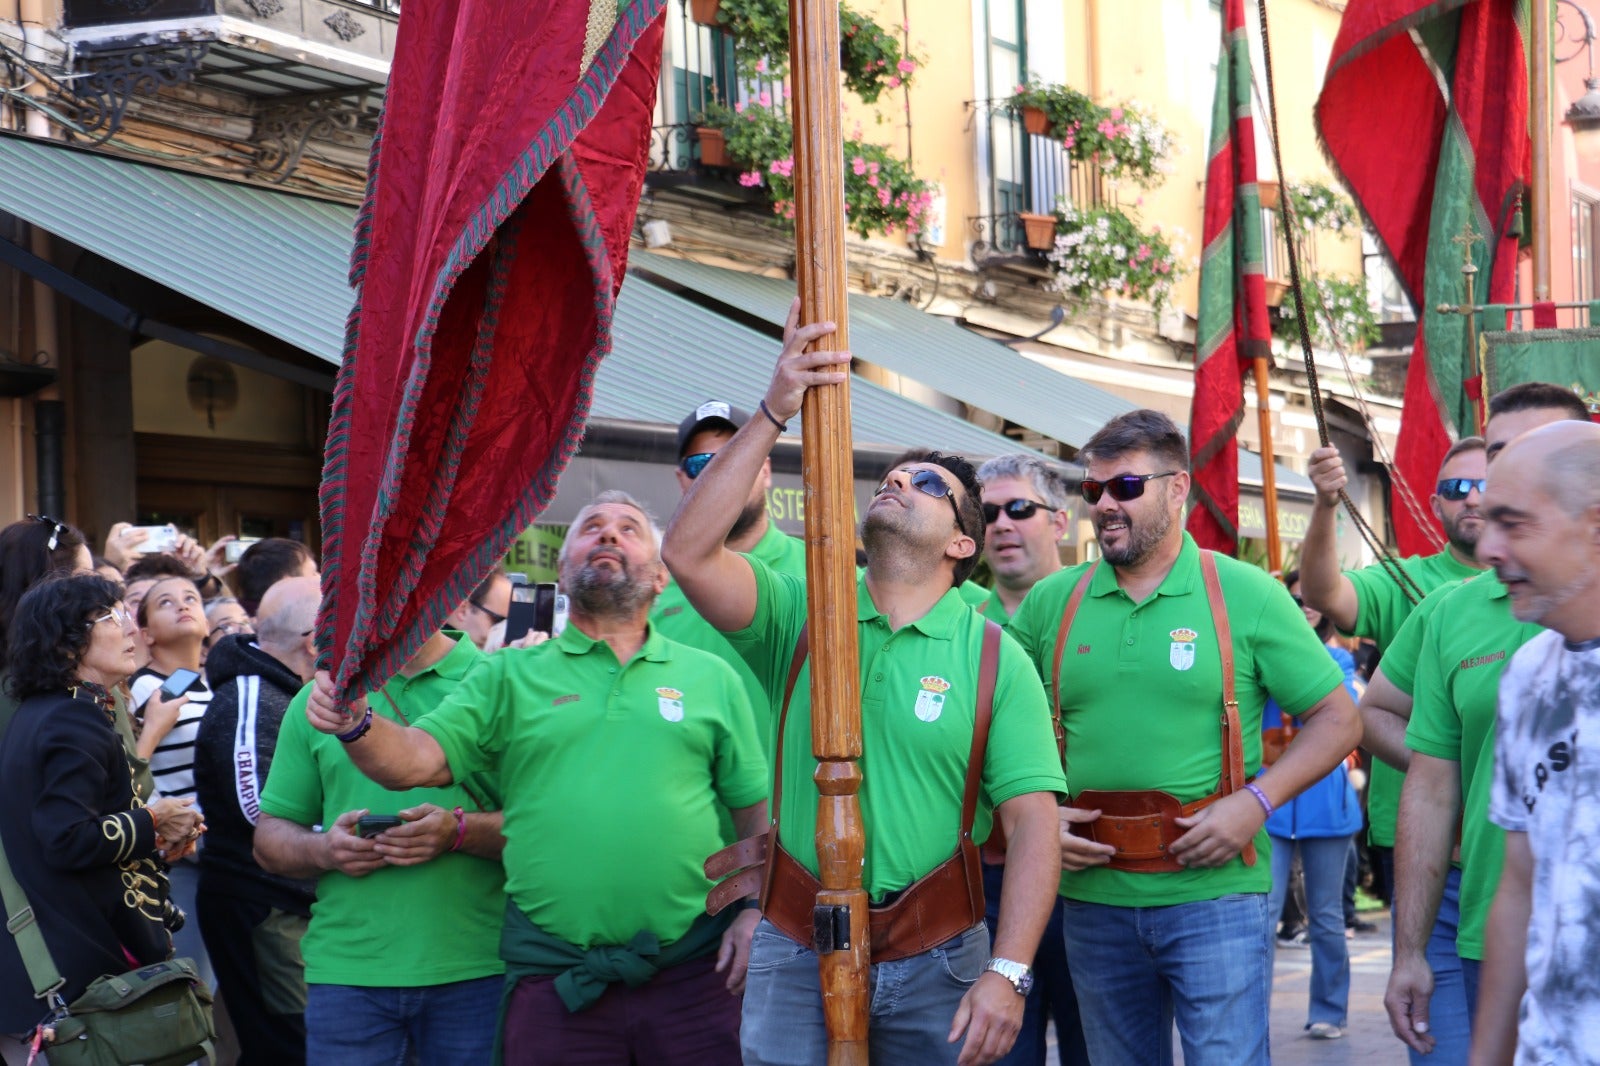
(988, 671)
(1232, 778)
(1067, 616)
(802, 648)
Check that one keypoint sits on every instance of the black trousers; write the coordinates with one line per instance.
(255, 951)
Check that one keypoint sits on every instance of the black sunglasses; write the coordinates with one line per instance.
(1122, 489)
(494, 616)
(1456, 489)
(1016, 510)
(691, 465)
(55, 533)
(930, 484)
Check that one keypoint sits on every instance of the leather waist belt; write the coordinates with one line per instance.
(1142, 826)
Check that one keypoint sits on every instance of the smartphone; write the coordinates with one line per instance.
(533, 608)
(160, 539)
(178, 683)
(234, 550)
(371, 825)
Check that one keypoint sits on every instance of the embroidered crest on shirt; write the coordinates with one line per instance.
(670, 701)
(930, 701)
(1182, 654)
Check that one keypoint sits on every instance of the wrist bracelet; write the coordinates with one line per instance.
(783, 427)
(749, 903)
(155, 819)
(359, 731)
(1261, 797)
(461, 829)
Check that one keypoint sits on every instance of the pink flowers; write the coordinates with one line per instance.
(858, 166)
(750, 178)
(1141, 253)
(784, 168)
(906, 67)
(894, 83)
(765, 99)
(761, 65)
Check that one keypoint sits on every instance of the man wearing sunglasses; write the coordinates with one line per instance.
(920, 647)
(1163, 844)
(484, 609)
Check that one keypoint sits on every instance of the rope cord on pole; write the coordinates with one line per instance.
(1391, 565)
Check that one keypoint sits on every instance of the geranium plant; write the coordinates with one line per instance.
(1317, 207)
(1105, 250)
(871, 57)
(1123, 140)
(1337, 309)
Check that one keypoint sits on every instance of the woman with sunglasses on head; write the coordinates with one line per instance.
(82, 845)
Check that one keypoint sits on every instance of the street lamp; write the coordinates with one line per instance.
(1583, 117)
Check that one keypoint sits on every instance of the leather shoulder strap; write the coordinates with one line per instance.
(1067, 616)
(802, 648)
(983, 716)
(1232, 778)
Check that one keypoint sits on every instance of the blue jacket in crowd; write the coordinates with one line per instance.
(1330, 807)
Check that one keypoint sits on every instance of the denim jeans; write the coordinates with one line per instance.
(1052, 998)
(1449, 1012)
(1206, 966)
(913, 1002)
(432, 1025)
(1324, 860)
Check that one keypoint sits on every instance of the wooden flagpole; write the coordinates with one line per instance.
(1269, 473)
(828, 471)
(1540, 59)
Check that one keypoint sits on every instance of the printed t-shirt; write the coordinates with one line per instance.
(400, 926)
(675, 618)
(172, 762)
(1469, 642)
(1141, 693)
(919, 689)
(1547, 785)
(611, 773)
(1381, 609)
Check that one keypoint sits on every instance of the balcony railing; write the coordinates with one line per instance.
(1028, 173)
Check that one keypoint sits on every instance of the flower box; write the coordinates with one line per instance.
(1276, 291)
(704, 12)
(713, 146)
(1038, 231)
(1269, 191)
(1035, 121)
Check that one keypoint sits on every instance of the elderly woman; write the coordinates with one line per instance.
(84, 849)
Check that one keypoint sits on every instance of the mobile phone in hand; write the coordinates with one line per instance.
(533, 608)
(370, 825)
(178, 683)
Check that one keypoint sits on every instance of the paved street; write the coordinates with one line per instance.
(1369, 1040)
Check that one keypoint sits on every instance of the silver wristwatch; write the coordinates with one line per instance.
(1020, 976)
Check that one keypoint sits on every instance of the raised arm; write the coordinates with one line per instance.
(1322, 584)
(395, 756)
(717, 580)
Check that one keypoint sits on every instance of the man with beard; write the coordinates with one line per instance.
(1541, 992)
(701, 435)
(613, 746)
(922, 741)
(1164, 843)
(1449, 655)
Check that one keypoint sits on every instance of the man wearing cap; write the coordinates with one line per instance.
(700, 436)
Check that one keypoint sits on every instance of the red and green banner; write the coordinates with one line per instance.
(1232, 327)
(1424, 112)
(488, 256)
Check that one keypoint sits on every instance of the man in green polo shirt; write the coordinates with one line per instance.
(1444, 667)
(378, 980)
(1171, 922)
(919, 658)
(614, 747)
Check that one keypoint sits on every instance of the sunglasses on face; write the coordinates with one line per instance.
(1456, 489)
(1016, 510)
(930, 484)
(691, 465)
(495, 617)
(1122, 489)
(57, 528)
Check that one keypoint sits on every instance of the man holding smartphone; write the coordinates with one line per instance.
(614, 746)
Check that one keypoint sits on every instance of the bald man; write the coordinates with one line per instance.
(252, 920)
(1543, 540)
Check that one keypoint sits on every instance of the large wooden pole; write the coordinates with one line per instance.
(1539, 194)
(1269, 472)
(829, 469)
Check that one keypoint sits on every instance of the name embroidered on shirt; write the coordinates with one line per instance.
(1481, 660)
(571, 697)
(930, 701)
(670, 611)
(1083, 649)
(670, 703)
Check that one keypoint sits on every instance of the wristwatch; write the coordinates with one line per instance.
(1020, 976)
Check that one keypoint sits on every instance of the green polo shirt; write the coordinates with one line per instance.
(1468, 644)
(973, 594)
(613, 773)
(919, 688)
(1141, 693)
(365, 930)
(1381, 609)
(995, 611)
(676, 619)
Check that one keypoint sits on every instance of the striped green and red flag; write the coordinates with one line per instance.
(1232, 328)
(1424, 113)
(488, 256)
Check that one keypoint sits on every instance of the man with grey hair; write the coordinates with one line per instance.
(1539, 994)
(252, 921)
(618, 961)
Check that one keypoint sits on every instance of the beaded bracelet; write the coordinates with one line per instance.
(359, 731)
(461, 829)
(1261, 797)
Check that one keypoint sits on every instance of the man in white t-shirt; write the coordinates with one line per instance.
(1543, 539)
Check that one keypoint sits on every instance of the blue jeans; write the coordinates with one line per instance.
(1449, 1011)
(1324, 860)
(913, 1002)
(433, 1025)
(1052, 998)
(1205, 965)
